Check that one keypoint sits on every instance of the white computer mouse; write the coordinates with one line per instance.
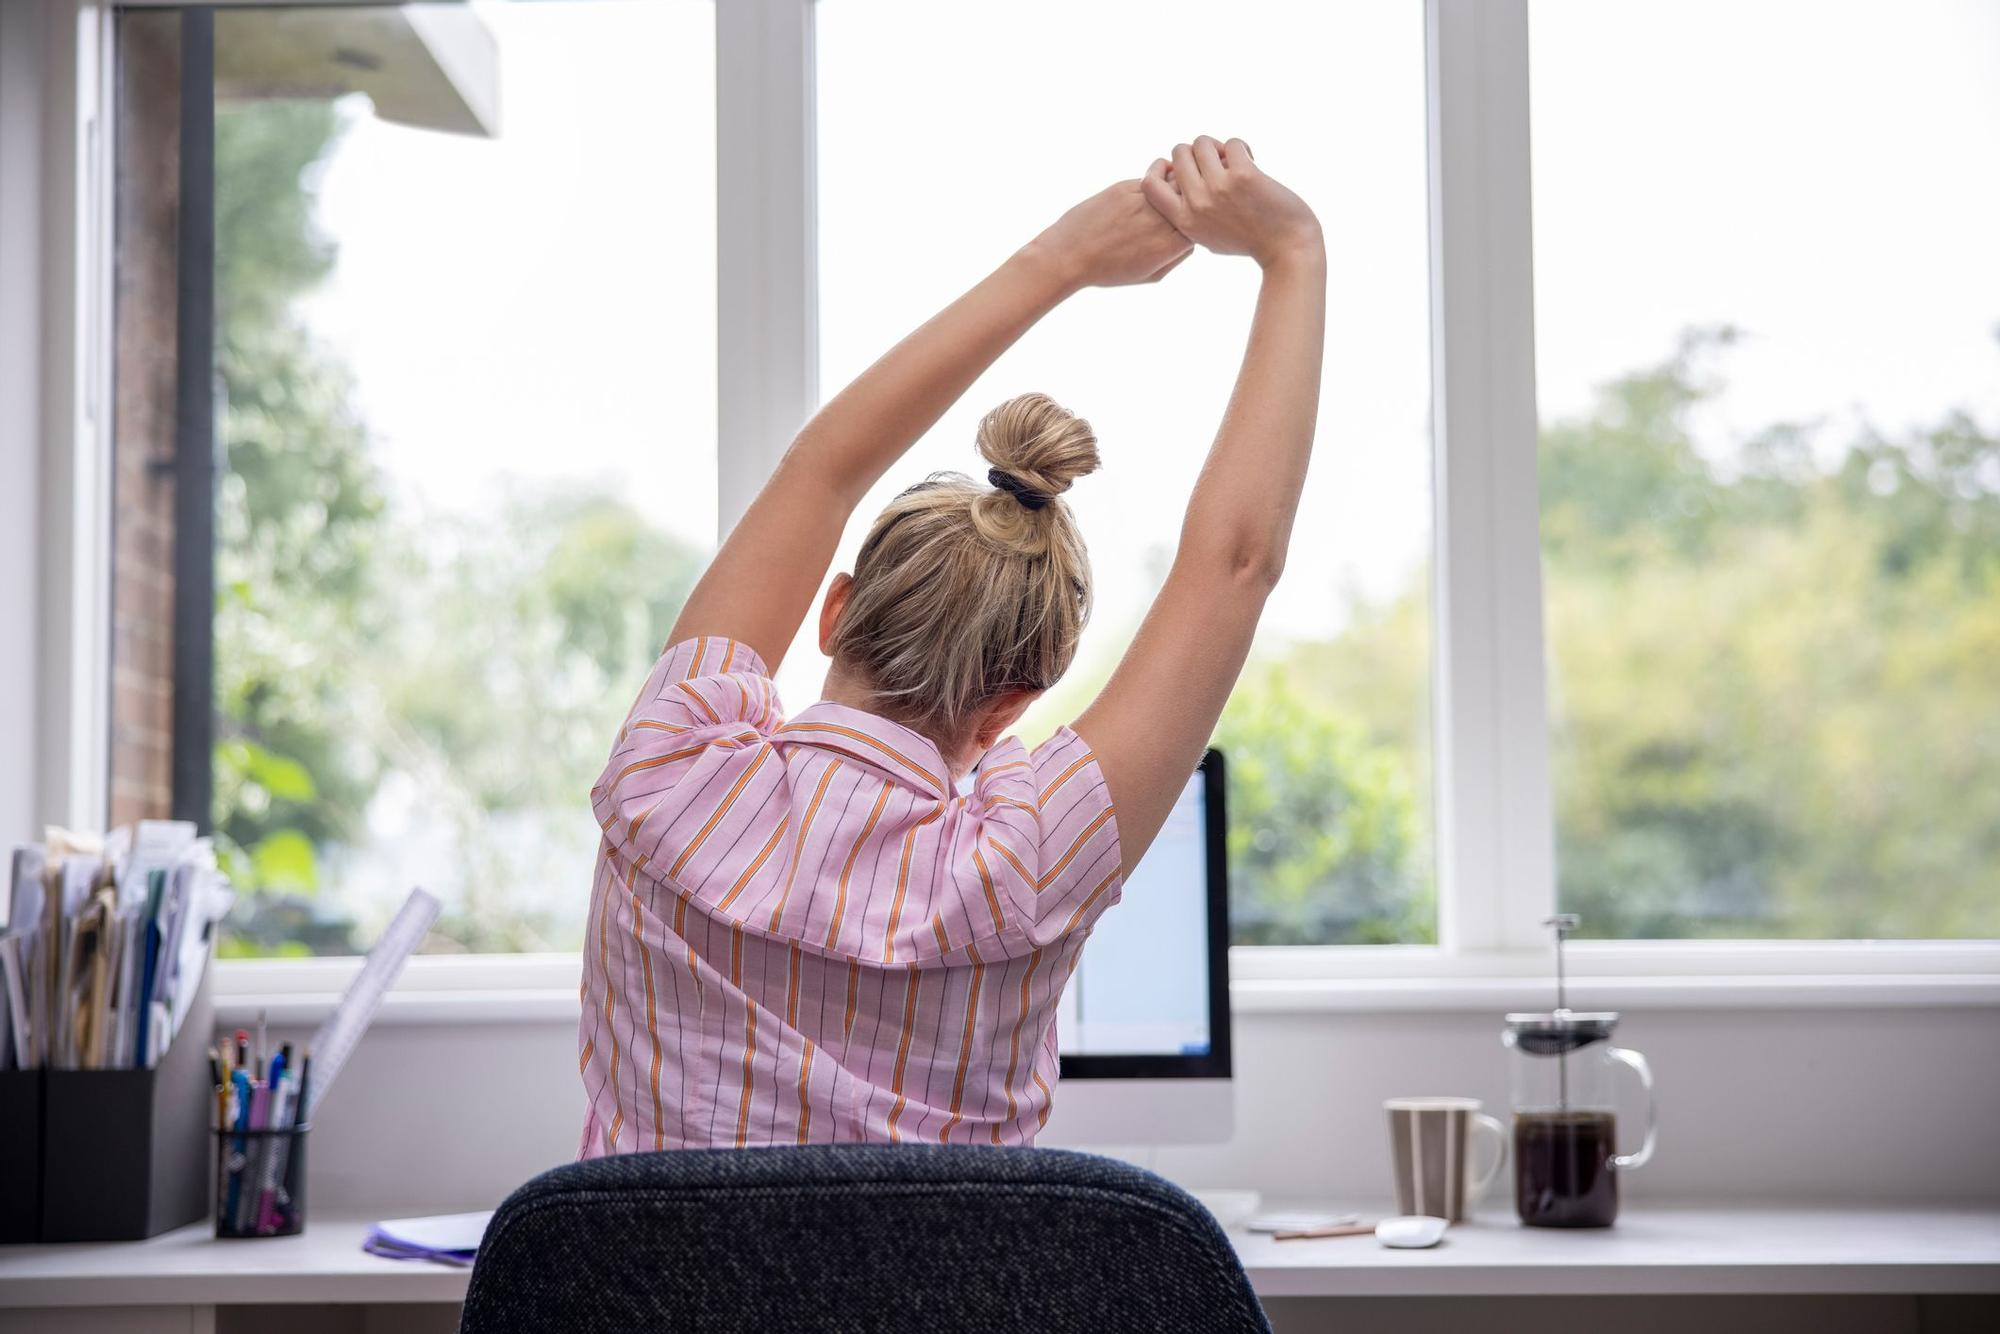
(1411, 1232)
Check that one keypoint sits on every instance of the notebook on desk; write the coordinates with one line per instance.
(451, 1239)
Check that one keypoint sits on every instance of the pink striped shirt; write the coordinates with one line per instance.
(799, 933)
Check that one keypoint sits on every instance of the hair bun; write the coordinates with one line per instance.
(1039, 442)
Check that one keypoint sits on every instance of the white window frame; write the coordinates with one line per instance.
(1496, 864)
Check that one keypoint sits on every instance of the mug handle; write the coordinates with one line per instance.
(1625, 1162)
(1482, 1124)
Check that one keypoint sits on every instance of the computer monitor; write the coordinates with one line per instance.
(1144, 1024)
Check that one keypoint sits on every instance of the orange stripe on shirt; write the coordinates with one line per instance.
(799, 849)
(1049, 876)
(749, 1051)
(700, 699)
(847, 870)
(853, 997)
(680, 930)
(610, 1010)
(694, 845)
(1012, 861)
(903, 1057)
(903, 883)
(728, 655)
(965, 1044)
(1084, 907)
(1014, 1052)
(652, 1003)
(700, 650)
(1065, 776)
(656, 761)
(749, 1028)
(805, 1088)
(751, 870)
(986, 883)
(872, 743)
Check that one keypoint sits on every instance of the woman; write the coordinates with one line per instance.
(801, 931)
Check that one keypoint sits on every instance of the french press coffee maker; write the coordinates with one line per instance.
(1562, 1072)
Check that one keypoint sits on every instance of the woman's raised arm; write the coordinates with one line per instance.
(1153, 719)
(761, 583)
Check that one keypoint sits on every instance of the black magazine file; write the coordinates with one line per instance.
(20, 1155)
(125, 1152)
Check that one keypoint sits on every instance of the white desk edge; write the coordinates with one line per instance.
(1652, 1251)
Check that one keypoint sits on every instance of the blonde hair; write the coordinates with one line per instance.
(962, 591)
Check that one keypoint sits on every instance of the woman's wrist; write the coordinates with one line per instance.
(1301, 251)
(1057, 274)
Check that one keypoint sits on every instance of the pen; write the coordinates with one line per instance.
(241, 1081)
(271, 1164)
(215, 1077)
(305, 1086)
(247, 1198)
(288, 1162)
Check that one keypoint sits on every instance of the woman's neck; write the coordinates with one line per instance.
(845, 689)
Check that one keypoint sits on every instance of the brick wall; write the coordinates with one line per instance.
(142, 592)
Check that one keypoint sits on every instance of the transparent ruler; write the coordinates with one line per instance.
(334, 1042)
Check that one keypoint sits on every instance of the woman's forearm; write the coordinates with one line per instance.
(763, 580)
(852, 441)
(1241, 512)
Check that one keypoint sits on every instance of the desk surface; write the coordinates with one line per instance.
(1651, 1251)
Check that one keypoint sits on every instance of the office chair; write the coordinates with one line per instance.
(856, 1237)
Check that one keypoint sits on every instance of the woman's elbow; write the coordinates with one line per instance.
(1258, 567)
(1248, 561)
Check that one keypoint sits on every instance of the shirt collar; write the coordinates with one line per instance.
(906, 754)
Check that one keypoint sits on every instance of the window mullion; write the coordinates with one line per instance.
(767, 361)
(1495, 828)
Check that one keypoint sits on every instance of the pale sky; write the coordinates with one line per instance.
(541, 305)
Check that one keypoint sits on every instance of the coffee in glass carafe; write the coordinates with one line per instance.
(1562, 1076)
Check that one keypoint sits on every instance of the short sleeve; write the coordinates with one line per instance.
(705, 699)
(1051, 836)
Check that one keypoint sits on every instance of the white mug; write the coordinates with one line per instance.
(1430, 1153)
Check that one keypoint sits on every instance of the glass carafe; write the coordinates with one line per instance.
(1562, 1075)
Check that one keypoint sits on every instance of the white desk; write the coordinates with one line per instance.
(1652, 1251)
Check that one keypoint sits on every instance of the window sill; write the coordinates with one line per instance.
(542, 989)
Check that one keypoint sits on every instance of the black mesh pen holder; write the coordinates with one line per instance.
(260, 1182)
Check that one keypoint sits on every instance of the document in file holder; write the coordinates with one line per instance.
(335, 1040)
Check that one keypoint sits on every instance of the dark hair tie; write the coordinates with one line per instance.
(1015, 487)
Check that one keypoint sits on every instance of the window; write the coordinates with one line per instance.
(467, 406)
(482, 369)
(1768, 318)
(929, 179)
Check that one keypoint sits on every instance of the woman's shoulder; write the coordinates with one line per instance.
(709, 681)
(1049, 835)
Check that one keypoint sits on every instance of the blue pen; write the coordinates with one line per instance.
(242, 1081)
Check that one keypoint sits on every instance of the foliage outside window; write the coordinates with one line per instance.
(1766, 634)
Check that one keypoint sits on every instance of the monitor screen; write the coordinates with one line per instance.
(1142, 987)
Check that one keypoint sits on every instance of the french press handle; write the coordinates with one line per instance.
(1625, 1162)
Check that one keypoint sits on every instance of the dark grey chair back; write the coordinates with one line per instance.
(852, 1238)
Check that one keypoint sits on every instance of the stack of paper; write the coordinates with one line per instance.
(104, 944)
(451, 1239)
